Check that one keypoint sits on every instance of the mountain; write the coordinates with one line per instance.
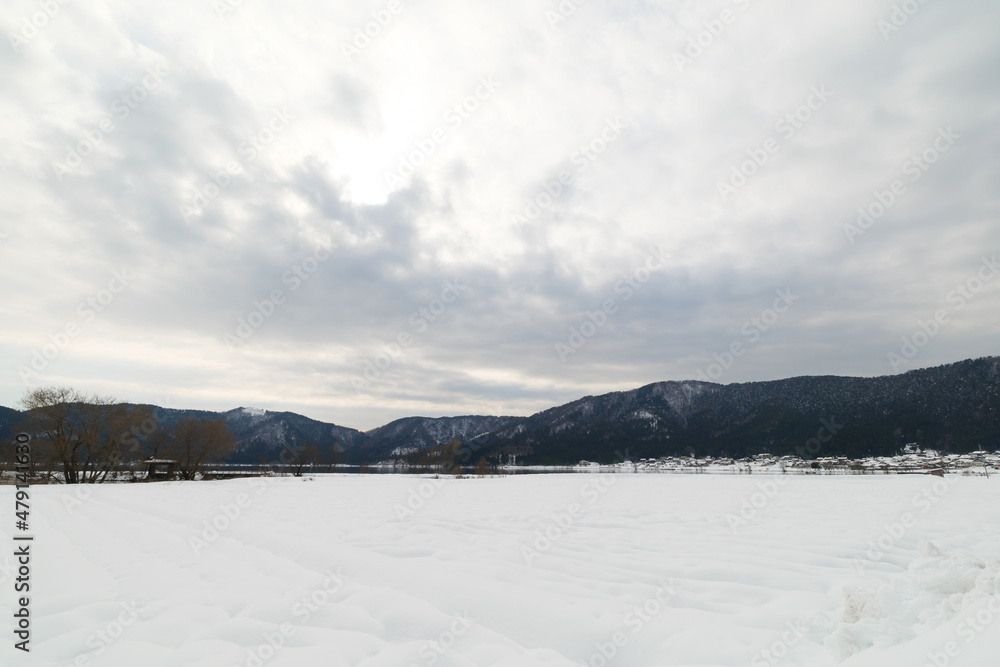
(424, 432)
(952, 408)
(9, 420)
(261, 435)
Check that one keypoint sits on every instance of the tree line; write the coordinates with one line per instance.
(448, 458)
(89, 439)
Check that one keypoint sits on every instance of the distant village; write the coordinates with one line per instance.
(912, 461)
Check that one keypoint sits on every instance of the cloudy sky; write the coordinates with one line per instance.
(365, 210)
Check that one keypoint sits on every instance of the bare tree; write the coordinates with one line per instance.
(80, 434)
(195, 442)
(7, 458)
(440, 457)
(332, 457)
(482, 467)
(143, 435)
(297, 457)
(302, 456)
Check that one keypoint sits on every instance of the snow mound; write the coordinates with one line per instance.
(936, 587)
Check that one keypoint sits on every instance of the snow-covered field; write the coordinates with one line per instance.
(556, 570)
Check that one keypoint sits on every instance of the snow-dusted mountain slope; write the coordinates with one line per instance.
(951, 408)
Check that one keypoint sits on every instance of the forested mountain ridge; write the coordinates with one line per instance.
(955, 407)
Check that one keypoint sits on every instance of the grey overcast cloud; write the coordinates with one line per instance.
(367, 210)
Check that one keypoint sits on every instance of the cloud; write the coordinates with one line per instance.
(536, 160)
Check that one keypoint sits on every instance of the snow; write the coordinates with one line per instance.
(531, 570)
(254, 412)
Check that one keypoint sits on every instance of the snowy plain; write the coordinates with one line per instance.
(518, 571)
